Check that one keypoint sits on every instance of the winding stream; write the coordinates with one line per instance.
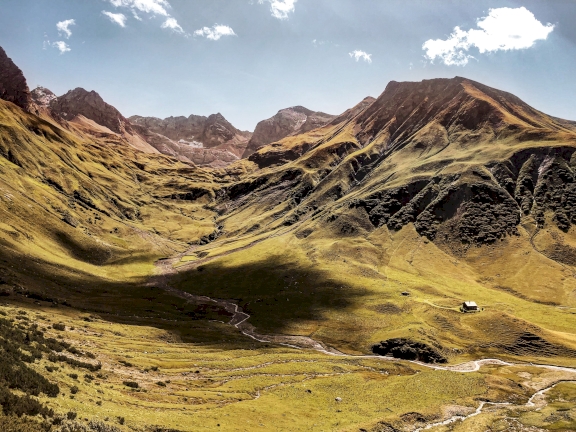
(240, 318)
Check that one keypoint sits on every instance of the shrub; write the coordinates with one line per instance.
(20, 405)
(125, 363)
(74, 390)
(161, 384)
(73, 376)
(71, 415)
(98, 426)
(59, 326)
(131, 384)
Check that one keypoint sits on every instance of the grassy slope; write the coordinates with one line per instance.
(219, 377)
(340, 289)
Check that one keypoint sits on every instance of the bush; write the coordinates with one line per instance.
(131, 384)
(125, 363)
(73, 376)
(71, 415)
(74, 390)
(21, 424)
(20, 405)
(98, 426)
(161, 384)
(59, 326)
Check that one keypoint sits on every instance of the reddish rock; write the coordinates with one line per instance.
(289, 121)
(90, 105)
(13, 86)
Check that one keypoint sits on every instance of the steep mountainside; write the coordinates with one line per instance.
(13, 86)
(203, 140)
(289, 121)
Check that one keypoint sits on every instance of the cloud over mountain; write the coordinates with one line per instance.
(503, 29)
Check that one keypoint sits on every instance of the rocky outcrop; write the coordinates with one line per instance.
(289, 121)
(90, 105)
(13, 86)
(408, 350)
(42, 96)
(211, 140)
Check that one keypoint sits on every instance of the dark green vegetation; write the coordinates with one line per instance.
(408, 350)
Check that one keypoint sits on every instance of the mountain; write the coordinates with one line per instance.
(43, 97)
(13, 86)
(450, 147)
(357, 238)
(203, 140)
(289, 121)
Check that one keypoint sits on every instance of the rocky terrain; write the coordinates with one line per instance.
(289, 121)
(211, 140)
(13, 86)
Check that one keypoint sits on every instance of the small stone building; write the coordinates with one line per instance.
(469, 306)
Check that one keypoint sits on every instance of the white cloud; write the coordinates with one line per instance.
(503, 29)
(64, 28)
(280, 8)
(117, 18)
(62, 46)
(173, 25)
(361, 55)
(154, 7)
(216, 32)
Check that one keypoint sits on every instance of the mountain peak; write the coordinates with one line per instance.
(42, 96)
(91, 105)
(13, 85)
(288, 121)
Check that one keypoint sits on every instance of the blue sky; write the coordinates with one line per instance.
(249, 58)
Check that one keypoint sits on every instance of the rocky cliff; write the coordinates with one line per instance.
(13, 86)
(289, 121)
(211, 140)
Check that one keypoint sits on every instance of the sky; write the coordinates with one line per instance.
(247, 59)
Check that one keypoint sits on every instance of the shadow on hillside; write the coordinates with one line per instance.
(275, 293)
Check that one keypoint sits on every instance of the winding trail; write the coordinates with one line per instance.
(239, 320)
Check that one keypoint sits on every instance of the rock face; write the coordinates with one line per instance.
(90, 105)
(208, 132)
(408, 350)
(211, 140)
(42, 96)
(289, 121)
(13, 86)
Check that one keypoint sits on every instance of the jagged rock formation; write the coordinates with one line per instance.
(90, 105)
(203, 140)
(289, 121)
(42, 96)
(13, 86)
